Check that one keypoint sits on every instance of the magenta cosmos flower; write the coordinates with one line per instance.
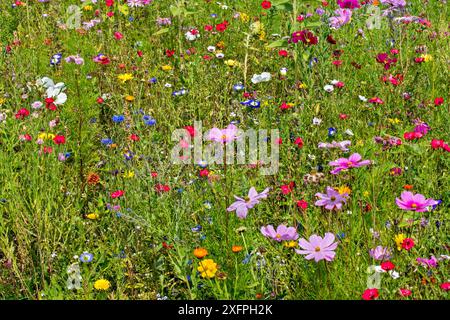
(241, 206)
(318, 248)
(354, 161)
(414, 202)
(282, 233)
(331, 200)
(225, 135)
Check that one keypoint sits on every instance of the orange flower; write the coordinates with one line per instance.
(408, 186)
(93, 179)
(236, 249)
(200, 252)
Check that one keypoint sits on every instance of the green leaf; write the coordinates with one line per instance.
(176, 11)
(283, 5)
(164, 30)
(278, 43)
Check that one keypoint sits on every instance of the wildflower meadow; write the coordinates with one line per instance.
(232, 150)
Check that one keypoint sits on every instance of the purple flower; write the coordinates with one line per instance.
(282, 232)
(394, 3)
(241, 206)
(75, 59)
(225, 135)
(318, 248)
(343, 17)
(380, 253)
(354, 161)
(348, 4)
(414, 202)
(431, 263)
(331, 200)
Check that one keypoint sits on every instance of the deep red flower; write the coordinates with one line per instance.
(162, 188)
(445, 286)
(208, 27)
(299, 142)
(117, 194)
(302, 204)
(370, 294)
(134, 137)
(387, 266)
(330, 39)
(438, 101)
(408, 244)
(405, 292)
(221, 27)
(170, 53)
(190, 130)
(266, 4)
(282, 53)
(436, 144)
(59, 139)
(204, 173)
(305, 36)
(287, 188)
(109, 3)
(22, 113)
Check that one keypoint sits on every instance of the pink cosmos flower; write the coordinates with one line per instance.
(318, 248)
(343, 145)
(380, 253)
(343, 17)
(331, 200)
(225, 135)
(354, 161)
(241, 206)
(431, 263)
(414, 202)
(282, 232)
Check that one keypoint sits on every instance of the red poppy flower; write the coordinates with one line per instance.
(59, 139)
(282, 53)
(408, 244)
(438, 101)
(370, 294)
(302, 204)
(266, 4)
(22, 113)
(117, 194)
(299, 142)
(387, 266)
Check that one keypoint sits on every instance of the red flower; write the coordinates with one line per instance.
(48, 149)
(343, 116)
(438, 101)
(445, 286)
(134, 137)
(330, 39)
(405, 292)
(109, 3)
(302, 204)
(387, 266)
(118, 35)
(208, 28)
(266, 4)
(337, 63)
(162, 188)
(49, 104)
(287, 188)
(408, 244)
(204, 173)
(221, 27)
(170, 53)
(154, 174)
(140, 53)
(370, 294)
(110, 14)
(376, 100)
(100, 100)
(305, 36)
(117, 194)
(282, 53)
(59, 139)
(435, 144)
(299, 142)
(22, 113)
(190, 130)
(284, 106)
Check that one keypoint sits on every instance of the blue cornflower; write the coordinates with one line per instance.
(238, 87)
(197, 228)
(86, 257)
(331, 132)
(148, 120)
(251, 103)
(118, 118)
(153, 80)
(55, 59)
(107, 141)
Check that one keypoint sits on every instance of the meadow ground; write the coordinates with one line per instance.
(96, 96)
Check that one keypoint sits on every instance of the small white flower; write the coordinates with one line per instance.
(379, 269)
(37, 104)
(220, 55)
(168, 85)
(211, 49)
(362, 98)
(394, 274)
(283, 71)
(334, 82)
(328, 88)
(349, 212)
(311, 156)
(263, 77)
(349, 132)
(317, 121)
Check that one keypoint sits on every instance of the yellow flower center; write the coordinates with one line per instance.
(414, 205)
(317, 249)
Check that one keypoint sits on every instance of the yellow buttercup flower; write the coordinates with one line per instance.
(46, 136)
(87, 8)
(427, 57)
(92, 216)
(244, 17)
(366, 193)
(129, 98)
(231, 63)
(207, 268)
(2, 101)
(290, 244)
(102, 284)
(399, 240)
(394, 121)
(166, 68)
(124, 77)
(128, 174)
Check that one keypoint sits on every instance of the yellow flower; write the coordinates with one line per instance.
(220, 44)
(426, 57)
(244, 17)
(92, 216)
(366, 193)
(301, 85)
(399, 240)
(46, 136)
(129, 98)
(207, 268)
(394, 121)
(2, 101)
(262, 35)
(256, 27)
(102, 284)
(124, 77)
(87, 8)
(360, 143)
(231, 63)
(128, 174)
(344, 189)
(166, 68)
(290, 244)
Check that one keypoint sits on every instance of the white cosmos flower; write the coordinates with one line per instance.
(263, 77)
(394, 274)
(362, 98)
(328, 88)
(211, 48)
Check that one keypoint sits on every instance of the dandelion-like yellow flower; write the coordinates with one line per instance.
(344, 189)
(394, 121)
(166, 68)
(129, 98)
(231, 63)
(244, 17)
(128, 174)
(366, 193)
(207, 268)
(124, 77)
(102, 285)
(2, 101)
(399, 240)
(87, 8)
